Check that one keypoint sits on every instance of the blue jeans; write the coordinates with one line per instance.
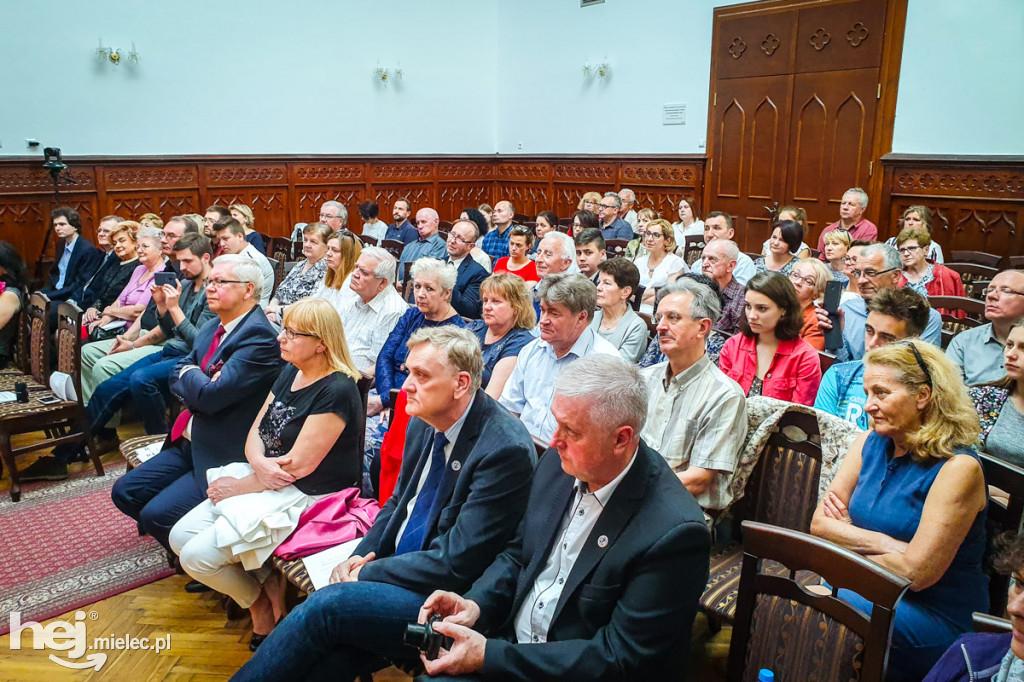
(337, 633)
(145, 382)
(159, 492)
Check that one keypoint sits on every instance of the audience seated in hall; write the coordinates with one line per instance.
(659, 262)
(582, 220)
(614, 320)
(480, 220)
(305, 277)
(373, 227)
(520, 243)
(979, 351)
(223, 383)
(374, 310)
(590, 251)
(626, 212)
(466, 294)
(689, 225)
(893, 315)
(114, 272)
(809, 277)
(401, 230)
(76, 259)
(508, 320)
(343, 249)
(567, 303)
(713, 342)
(1000, 404)
(910, 494)
(927, 279)
(783, 245)
(920, 216)
(303, 444)
(795, 214)
(772, 325)
(851, 219)
(465, 455)
(244, 215)
(231, 237)
(718, 261)
(495, 243)
(718, 225)
(427, 245)
(612, 226)
(696, 415)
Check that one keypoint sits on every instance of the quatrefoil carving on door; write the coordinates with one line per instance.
(820, 39)
(737, 48)
(857, 35)
(769, 44)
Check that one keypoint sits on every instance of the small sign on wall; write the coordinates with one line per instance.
(674, 114)
(588, 3)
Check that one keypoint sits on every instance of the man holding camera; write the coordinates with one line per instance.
(461, 493)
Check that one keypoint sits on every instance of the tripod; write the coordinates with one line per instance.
(55, 169)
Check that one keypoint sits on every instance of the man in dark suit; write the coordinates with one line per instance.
(466, 294)
(222, 382)
(76, 258)
(459, 497)
(603, 578)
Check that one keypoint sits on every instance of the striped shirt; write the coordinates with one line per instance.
(698, 418)
(367, 325)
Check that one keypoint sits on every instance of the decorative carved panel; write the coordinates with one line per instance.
(530, 199)
(650, 174)
(979, 183)
(417, 172)
(144, 178)
(18, 180)
(518, 170)
(320, 173)
(575, 172)
(309, 200)
(246, 175)
(465, 171)
(418, 195)
(452, 199)
(269, 207)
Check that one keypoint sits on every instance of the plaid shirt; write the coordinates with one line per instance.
(495, 244)
(733, 300)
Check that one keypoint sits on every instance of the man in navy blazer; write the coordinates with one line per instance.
(223, 385)
(442, 527)
(604, 575)
(466, 294)
(76, 258)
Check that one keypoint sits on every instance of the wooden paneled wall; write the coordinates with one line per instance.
(977, 203)
(285, 190)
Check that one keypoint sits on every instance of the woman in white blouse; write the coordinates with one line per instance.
(659, 262)
(689, 225)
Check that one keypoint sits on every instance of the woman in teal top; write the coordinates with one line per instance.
(911, 495)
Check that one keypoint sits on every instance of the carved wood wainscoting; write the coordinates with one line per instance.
(977, 202)
(284, 190)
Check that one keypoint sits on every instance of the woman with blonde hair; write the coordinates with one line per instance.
(303, 444)
(151, 220)
(837, 243)
(910, 495)
(343, 249)
(244, 215)
(635, 248)
(106, 287)
(659, 262)
(508, 317)
(135, 295)
(809, 277)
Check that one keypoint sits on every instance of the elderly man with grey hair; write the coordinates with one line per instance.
(462, 491)
(428, 245)
(878, 267)
(696, 416)
(603, 578)
(851, 219)
(376, 308)
(626, 211)
(612, 226)
(334, 215)
(567, 303)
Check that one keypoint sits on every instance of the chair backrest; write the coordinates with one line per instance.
(394, 247)
(540, 445)
(22, 361)
(971, 307)
(783, 487)
(39, 336)
(693, 247)
(1001, 518)
(565, 222)
(69, 344)
(521, 218)
(983, 622)
(444, 225)
(616, 247)
(1017, 262)
(278, 264)
(637, 297)
(282, 248)
(810, 635)
(443, 234)
(826, 360)
(990, 260)
(971, 274)
(367, 241)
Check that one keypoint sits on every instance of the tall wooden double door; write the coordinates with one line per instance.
(802, 100)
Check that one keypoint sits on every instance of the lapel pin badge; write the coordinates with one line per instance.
(456, 465)
(602, 541)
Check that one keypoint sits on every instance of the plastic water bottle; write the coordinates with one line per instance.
(765, 675)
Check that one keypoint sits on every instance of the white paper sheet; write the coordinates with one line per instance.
(150, 451)
(320, 565)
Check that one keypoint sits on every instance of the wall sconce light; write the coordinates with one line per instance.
(385, 76)
(114, 54)
(601, 70)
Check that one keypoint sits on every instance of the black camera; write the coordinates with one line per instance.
(425, 639)
(52, 159)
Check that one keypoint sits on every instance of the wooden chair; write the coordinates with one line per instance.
(814, 253)
(615, 248)
(974, 277)
(541, 446)
(826, 360)
(444, 225)
(990, 260)
(394, 247)
(63, 421)
(1002, 518)
(278, 264)
(565, 222)
(1016, 262)
(782, 490)
(442, 234)
(781, 625)
(693, 247)
(636, 298)
(986, 623)
(521, 218)
(283, 248)
(367, 241)
(958, 313)
(751, 255)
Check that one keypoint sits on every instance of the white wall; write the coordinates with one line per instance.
(481, 76)
(962, 78)
(248, 76)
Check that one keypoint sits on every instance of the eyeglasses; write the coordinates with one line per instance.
(455, 239)
(327, 216)
(671, 318)
(218, 283)
(609, 206)
(653, 235)
(907, 250)
(1002, 291)
(290, 334)
(797, 277)
(920, 362)
(870, 274)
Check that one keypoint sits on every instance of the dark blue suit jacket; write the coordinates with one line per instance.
(466, 294)
(85, 260)
(477, 508)
(223, 411)
(627, 606)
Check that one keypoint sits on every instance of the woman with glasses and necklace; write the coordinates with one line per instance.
(927, 279)
(911, 496)
(809, 277)
(303, 445)
(659, 262)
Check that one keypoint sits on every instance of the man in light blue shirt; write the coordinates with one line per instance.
(429, 245)
(718, 225)
(979, 351)
(893, 315)
(567, 303)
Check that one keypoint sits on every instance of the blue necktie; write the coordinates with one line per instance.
(416, 528)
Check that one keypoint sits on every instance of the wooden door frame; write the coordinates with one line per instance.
(888, 78)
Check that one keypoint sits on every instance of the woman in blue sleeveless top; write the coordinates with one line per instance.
(911, 495)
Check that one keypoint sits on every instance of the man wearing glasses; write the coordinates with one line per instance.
(979, 351)
(334, 215)
(466, 294)
(612, 226)
(626, 211)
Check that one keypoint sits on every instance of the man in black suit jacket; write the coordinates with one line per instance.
(76, 258)
(421, 539)
(223, 384)
(466, 294)
(603, 578)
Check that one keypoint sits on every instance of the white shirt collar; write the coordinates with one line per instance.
(605, 493)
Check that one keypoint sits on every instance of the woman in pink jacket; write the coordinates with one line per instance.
(768, 357)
